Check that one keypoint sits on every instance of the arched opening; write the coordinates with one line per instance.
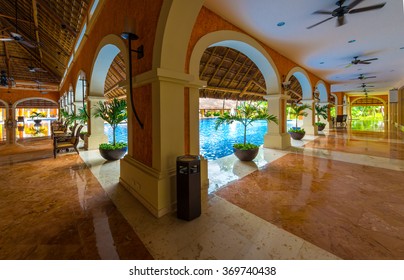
(368, 113)
(232, 78)
(240, 47)
(108, 81)
(34, 117)
(300, 89)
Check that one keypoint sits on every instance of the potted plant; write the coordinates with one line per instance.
(246, 114)
(321, 111)
(113, 112)
(297, 110)
(35, 117)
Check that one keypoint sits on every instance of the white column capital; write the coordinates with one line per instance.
(276, 96)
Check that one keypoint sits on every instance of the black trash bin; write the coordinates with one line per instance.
(188, 187)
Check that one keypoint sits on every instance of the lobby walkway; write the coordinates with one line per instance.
(327, 197)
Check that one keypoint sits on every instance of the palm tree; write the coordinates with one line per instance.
(246, 114)
(298, 110)
(113, 112)
(321, 111)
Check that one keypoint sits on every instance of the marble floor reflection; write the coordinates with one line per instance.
(326, 197)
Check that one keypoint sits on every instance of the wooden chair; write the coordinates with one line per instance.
(58, 128)
(67, 142)
(341, 120)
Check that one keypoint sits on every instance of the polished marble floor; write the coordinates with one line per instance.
(312, 201)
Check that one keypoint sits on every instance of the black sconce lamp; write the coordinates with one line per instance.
(132, 37)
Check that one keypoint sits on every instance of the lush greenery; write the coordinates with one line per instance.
(364, 113)
(81, 116)
(298, 110)
(68, 117)
(320, 123)
(296, 130)
(246, 146)
(321, 111)
(110, 147)
(246, 114)
(37, 115)
(113, 112)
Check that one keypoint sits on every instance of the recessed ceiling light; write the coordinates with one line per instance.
(281, 23)
(351, 41)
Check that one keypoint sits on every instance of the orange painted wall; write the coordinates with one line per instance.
(111, 20)
(10, 96)
(208, 22)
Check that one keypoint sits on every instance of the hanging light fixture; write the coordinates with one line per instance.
(132, 37)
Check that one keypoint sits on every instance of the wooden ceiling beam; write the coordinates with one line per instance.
(228, 70)
(53, 15)
(35, 17)
(7, 63)
(13, 18)
(207, 63)
(237, 91)
(218, 67)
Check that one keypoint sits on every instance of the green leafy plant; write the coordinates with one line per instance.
(37, 115)
(246, 114)
(296, 130)
(69, 117)
(320, 124)
(109, 146)
(82, 116)
(113, 112)
(298, 110)
(321, 111)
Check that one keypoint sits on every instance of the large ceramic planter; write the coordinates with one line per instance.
(113, 154)
(246, 155)
(321, 127)
(297, 135)
(37, 122)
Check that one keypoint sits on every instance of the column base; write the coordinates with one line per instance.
(311, 129)
(277, 141)
(92, 142)
(155, 190)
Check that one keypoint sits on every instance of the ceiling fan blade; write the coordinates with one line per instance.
(363, 62)
(28, 44)
(349, 65)
(341, 21)
(6, 39)
(354, 4)
(368, 8)
(314, 25)
(322, 12)
(371, 77)
(371, 59)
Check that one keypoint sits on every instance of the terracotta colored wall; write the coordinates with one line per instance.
(208, 22)
(12, 95)
(385, 98)
(111, 21)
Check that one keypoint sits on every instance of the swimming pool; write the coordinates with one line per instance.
(213, 143)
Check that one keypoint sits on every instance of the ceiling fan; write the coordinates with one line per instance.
(340, 12)
(357, 61)
(363, 77)
(15, 36)
(34, 69)
(364, 86)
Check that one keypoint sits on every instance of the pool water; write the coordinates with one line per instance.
(214, 144)
(219, 143)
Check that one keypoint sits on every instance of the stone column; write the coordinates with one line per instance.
(10, 125)
(277, 136)
(308, 122)
(95, 126)
(155, 186)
